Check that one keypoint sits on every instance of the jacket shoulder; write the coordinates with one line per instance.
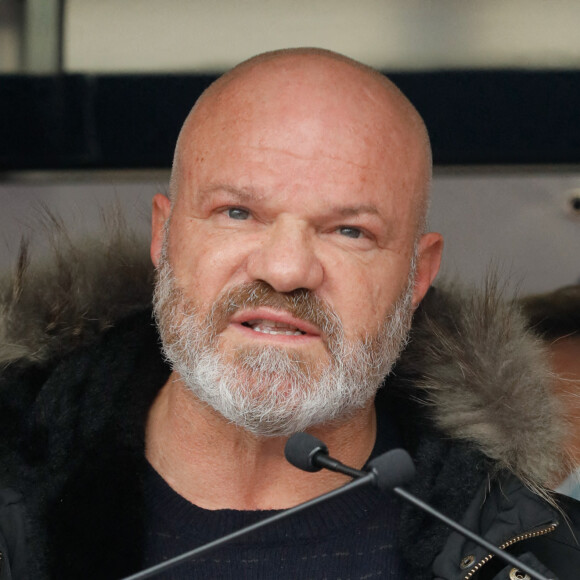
(69, 298)
(511, 517)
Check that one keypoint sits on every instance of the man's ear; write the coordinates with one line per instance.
(428, 261)
(159, 216)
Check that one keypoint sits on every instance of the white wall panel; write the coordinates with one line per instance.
(520, 221)
(208, 35)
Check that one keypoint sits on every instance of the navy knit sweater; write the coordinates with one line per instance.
(353, 536)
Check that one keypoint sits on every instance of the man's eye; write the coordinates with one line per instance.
(350, 232)
(237, 213)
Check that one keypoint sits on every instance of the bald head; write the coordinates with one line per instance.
(312, 102)
(303, 173)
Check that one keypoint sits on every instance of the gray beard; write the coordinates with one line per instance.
(268, 390)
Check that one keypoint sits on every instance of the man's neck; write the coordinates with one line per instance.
(217, 465)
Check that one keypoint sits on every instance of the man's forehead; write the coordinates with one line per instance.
(309, 124)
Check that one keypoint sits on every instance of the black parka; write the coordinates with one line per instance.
(471, 394)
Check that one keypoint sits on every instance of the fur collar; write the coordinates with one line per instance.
(480, 374)
(67, 298)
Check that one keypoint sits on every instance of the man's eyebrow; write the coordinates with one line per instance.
(242, 194)
(354, 210)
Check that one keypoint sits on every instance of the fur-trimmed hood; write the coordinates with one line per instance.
(481, 375)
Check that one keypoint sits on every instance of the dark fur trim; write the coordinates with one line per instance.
(82, 289)
(487, 380)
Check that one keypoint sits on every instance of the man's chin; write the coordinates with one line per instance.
(310, 362)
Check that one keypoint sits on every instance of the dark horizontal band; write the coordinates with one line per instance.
(132, 121)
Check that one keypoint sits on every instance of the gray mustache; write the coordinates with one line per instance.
(300, 303)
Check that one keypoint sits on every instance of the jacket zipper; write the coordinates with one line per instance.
(509, 543)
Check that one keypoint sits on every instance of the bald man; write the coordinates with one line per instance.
(291, 258)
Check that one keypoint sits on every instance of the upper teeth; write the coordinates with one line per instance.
(273, 327)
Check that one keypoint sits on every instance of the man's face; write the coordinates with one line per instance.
(299, 196)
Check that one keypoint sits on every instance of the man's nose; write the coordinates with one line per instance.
(286, 258)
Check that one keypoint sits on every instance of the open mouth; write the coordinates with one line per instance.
(276, 324)
(272, 327)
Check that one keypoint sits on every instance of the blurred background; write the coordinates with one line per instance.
(92, 95)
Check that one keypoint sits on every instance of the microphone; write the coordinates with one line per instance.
(388, 472)
(308, 453)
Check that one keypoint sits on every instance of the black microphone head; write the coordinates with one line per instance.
(392, 469)
(300, 451)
